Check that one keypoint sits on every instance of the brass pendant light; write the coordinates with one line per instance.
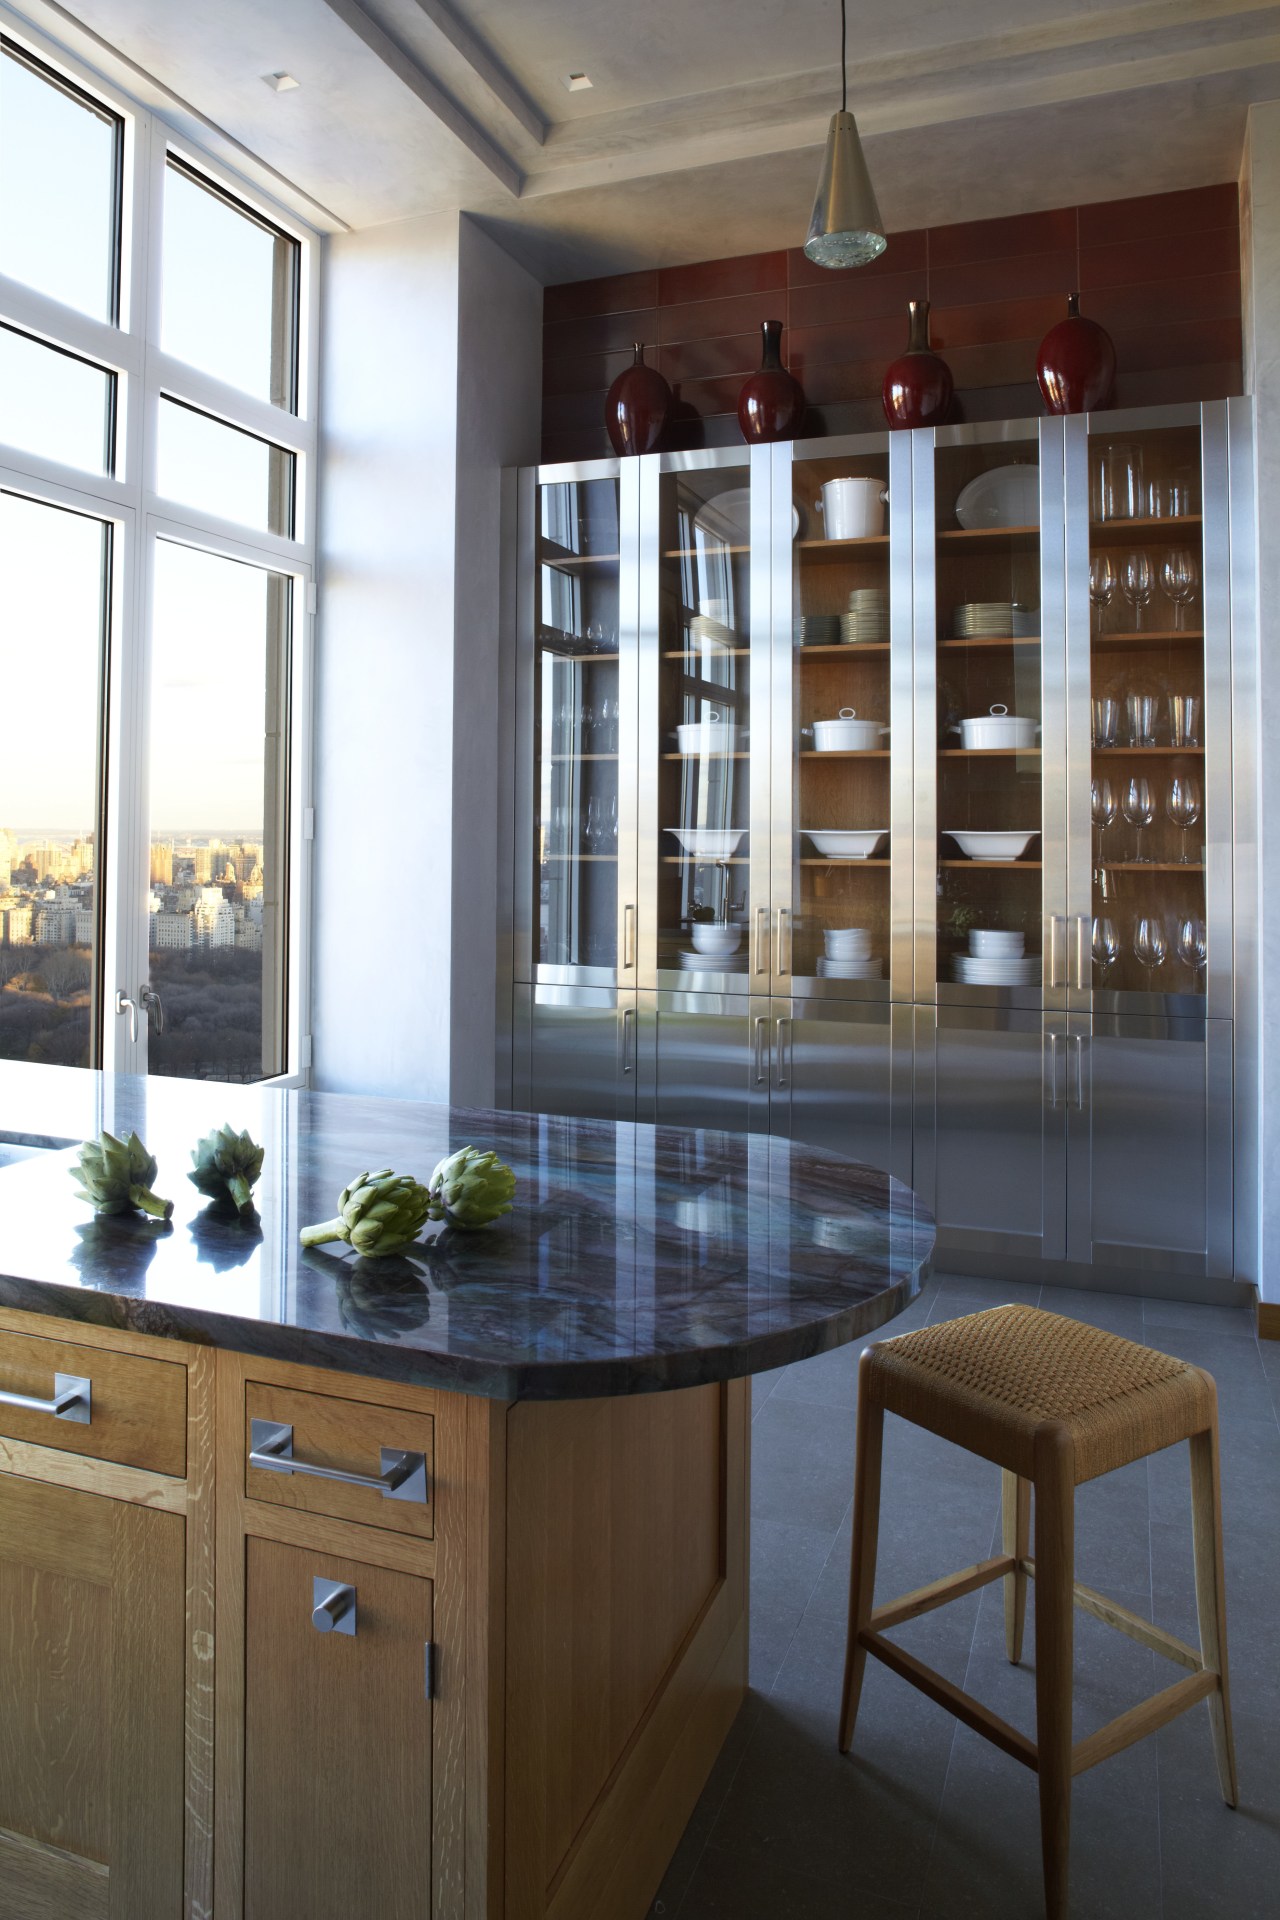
(846, 229)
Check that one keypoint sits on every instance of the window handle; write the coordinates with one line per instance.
(153, 1006)
(125, 1005)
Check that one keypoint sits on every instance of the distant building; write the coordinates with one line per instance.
(55, 926)
(85, 917)
(17, 926)
(172, 930)
(162, 863)
(249, 936)
(215, 919)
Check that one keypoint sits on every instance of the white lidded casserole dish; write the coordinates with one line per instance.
(712, 735)
(998, 728)
(848, 734)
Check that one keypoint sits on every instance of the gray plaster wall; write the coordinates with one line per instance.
(432, 346)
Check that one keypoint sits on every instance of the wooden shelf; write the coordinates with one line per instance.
(833, 551)
(1183, 530)
(829, 649)
(981, 539)
(1166, 753)
(841, 860)
(552, 555)
(1131, 642)
(989, 643)
(703, 860)
(1149, 866)
(570, 759)
(706, 756)
(845, 753)
(1006, 866)
(583, 858)
(986, 753)
(691, 553)
(712, 651)
(545, 646)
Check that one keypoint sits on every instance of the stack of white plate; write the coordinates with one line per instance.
(868, 969)
(996, 959)
(867, 616)
(817, 629)
(985, 619)
(712, 962)
(847, 943)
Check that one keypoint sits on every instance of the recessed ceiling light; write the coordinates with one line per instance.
(577, 82)
(281, 82)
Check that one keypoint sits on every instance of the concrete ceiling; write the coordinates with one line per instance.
(700, 136)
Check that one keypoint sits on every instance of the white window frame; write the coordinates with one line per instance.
(141, 516)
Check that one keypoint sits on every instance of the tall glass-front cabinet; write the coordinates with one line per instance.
(879, 792)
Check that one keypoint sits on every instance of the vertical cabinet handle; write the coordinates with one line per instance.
(1055, 921)
(1053, 1071)
(628, 1016)
(762, 940)
(758, 1048)
(784, 940)
(784, 1050)
(628, 936)
(333, 1606)
(1078, 1042)
(1081, 952)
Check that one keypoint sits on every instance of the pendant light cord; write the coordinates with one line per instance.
(844, 75)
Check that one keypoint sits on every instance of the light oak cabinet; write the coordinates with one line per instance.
(380, 1650)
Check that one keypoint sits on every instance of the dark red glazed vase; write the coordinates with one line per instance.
(636, 409)
(772, 401)
(1076, 365)
(918, 387)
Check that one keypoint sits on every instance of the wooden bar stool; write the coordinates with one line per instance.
(1052, 1403)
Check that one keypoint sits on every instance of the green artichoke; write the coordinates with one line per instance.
(377, 1213)
(226, 1166)
(471, 1188)
(115, 1175)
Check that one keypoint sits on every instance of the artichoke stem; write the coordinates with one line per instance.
(150, 1203)
(322, 1231)
(241, 1193)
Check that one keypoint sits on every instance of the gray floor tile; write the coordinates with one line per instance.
(1117, 1312)
(772, 1631)
(762, 1385)
(802, 1463)
(1238, 1322)
(1217, 1861)
(829, 1379)
(1236, 1366)
(786, 1562)
(771, 1886)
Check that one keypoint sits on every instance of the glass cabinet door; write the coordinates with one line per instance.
(582, 719)
(841, 719)
(1143, 927)
(988, 637)
(700, 519)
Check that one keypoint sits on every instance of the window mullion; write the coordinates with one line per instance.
(47, 319)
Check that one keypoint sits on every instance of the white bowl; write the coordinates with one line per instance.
(992, 846)
(1001, 497)
(708, 938)
(709, 843)
(840, 844)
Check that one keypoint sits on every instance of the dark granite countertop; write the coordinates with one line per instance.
(637, 1258)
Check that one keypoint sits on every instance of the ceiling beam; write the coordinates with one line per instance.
(485, 66)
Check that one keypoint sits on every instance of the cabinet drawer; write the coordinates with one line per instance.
(339, 1437)
(137, 1407)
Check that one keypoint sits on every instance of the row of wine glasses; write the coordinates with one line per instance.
(1150, 943)
(1178, 574)
(598, 833)
(1140, 716)
(1183, 805)
(585, 727)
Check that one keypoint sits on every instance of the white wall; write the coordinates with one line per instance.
(430, 383)
(1260, 233)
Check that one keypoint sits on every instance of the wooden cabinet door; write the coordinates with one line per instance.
(337, 1742)
(92, 1644)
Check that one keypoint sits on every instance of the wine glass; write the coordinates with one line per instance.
(1137, 584)
(1180, 577)
(586, 726)
(1102, 585)
(1139, 810)
(1102, 805)
(1183, 807)
(594, 831)
(1191, 943)
(609, 724)
(611, 831)
(1150, 948)
(1106, 944)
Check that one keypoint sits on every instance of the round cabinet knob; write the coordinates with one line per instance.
(333, 1607)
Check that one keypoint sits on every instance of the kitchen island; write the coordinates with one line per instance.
(402, 1587)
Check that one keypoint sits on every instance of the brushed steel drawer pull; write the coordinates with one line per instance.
(403, 1475)
(333, 1606)
(72, 1399)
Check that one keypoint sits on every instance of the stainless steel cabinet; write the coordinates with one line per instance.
(575, 1051)
(842, 1078)
(704, 1060)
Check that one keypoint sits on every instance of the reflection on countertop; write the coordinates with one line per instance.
(637, 1257)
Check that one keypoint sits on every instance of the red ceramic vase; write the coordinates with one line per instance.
(636, 409)
(771, 401)
(1076, 364)
(917, 388)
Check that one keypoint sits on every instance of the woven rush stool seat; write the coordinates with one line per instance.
(1053, 1403)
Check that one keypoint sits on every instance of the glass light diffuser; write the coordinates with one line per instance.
(846, 229)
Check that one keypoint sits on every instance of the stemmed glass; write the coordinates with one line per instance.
(1102, 805)
(1102, 585)
(1137, 584)
(595, 829)
(1150, 948)
(1191, 943)
(1183, 807)
(1106, 945)
(1139, 810)
(1180, 577)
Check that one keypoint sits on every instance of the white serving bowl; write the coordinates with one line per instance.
(992, 846)
(708, 938)
(841, 844)
(999, 728)
(848, 734)
(709, 843)
(989, 941)
(707, 736)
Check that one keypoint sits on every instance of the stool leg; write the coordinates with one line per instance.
(1211, 1596)
(1054, 1600)
(866, 1531)
(1015, 1527)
